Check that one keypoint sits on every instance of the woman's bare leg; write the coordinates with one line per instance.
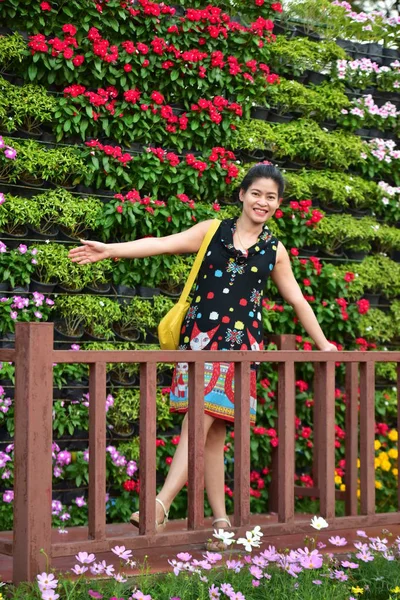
(214, 469)
(178, 472)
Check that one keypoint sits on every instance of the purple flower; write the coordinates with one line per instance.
(2, 198)
(84, 558)
(349, 565)
(38, 314)
(22, 248)
(213, 592)
(256, 572)
(317, 582)
(312, 561)
(185, 556)
(94, 594)
(2, 144)
(10, 153)
(338, 541)
(255, 583)
(80, 501)
(49, 301)
(3, 248)
(75, 347)
(8, 496)
(56, 507)
(14, 315)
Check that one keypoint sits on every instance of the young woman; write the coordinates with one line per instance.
(225, 314)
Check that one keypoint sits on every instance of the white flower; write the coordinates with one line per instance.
(318, 523)
(122, 552)
(46, 581)
(224, 536)
(118, 577)
(250, 541)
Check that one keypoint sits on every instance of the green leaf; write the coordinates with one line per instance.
(32, 72)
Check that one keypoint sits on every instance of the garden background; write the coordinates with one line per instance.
(120, 120)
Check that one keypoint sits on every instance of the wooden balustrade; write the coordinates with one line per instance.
(34, 357)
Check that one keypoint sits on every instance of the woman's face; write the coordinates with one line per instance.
(261, 200)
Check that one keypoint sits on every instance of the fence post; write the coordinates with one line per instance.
(32, 451)
(283, 342)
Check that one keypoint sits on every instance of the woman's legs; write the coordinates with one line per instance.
(178, 471)
(214, 469)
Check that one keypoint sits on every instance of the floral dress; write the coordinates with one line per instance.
(225, 314)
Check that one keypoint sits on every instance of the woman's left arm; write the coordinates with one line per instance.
(282, 276)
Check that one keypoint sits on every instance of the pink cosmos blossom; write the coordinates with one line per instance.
(338, 541)
(85, 558)
(121, 552)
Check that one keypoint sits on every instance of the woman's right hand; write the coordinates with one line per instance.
(90, 252)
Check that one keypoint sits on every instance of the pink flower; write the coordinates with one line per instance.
(10, 153)
(94, 594)
(338, 541)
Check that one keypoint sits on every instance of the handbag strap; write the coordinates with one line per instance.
(198, 260)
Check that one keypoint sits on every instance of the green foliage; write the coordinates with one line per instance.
(25, 106)
(12, 50)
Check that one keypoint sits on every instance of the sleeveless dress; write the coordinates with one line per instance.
(225, 314)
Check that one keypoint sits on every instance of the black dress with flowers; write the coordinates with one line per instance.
(225, 314)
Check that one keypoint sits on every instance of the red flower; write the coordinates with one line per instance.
(78, 60)
(349, 276)
(274, 442)
(127, 68)
(294, 252)
(259, 2)
(273, 78)
(157, 97)
(306, 282)
(306, 432)
(278, 213)
(277, 7)
(119, 209)
(129, 485)
(301, 385)
(45, 6)
(216, 206)
(68, 53)
(70, 29)
(168, 460)
(363, 306)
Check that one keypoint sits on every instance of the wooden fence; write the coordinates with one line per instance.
(34, 357)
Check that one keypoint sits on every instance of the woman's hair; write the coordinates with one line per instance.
(268, 172)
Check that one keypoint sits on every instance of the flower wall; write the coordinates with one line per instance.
(120, 120)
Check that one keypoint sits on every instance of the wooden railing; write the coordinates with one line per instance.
(34, 357)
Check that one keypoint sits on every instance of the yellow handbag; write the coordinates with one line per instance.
(169, 328)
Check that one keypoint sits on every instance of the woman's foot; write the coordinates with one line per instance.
(161, 516)
(218, 545)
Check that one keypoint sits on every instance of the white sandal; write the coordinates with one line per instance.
(159, 526)
(218, 545)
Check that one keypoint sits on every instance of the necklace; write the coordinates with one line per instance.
(240, 241)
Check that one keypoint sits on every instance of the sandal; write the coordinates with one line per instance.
(159, 526)
(218, 545)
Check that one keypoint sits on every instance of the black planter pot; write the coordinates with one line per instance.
(375, 133)
(131, 335)
(124, 293)
(35, 134)
(172, 292)
(331, 125)
(395, 255)
(13, 240)
(48, 235)
(373, 299)
(7, 340)
(82, 189)
(131, 431)
(276, 118)
(389, 55)
(103, 289)
(339, 254)
(259, 112)
(34, 182)
(105, 195)
(346, 45)
(62, 340)
(362, 132)
(147, 292)
(20, 290)
(358, 255)
(129, 381)
(4, 286)
(301, 78)
(65, 237)
(331, 210)
(360, 212)
(42, 288)
(293, 164)
(65, 290)
(375, 52)
(309, 251)
(151, 338)
(316, 78)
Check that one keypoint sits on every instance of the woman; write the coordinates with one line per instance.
(225, 314)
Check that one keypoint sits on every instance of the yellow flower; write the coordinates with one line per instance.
(358, 463)
(342, 487)
(378, 485)
(377, 444)
(358, 493)
(338, 479)
(393, 435)
(386, 466)
(377, 463)
(383, 456)
(357, 590)
(396, 590)
(395, 472)
(393, 453)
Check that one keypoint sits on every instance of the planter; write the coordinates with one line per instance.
(373, 299)
(362, 132)
(4, 286)
(336, 255)
(33, 134)
(13, 240)
(395, 255)
(277, 118)
(151, 337)
(41, 287)
(20, 290)
(259, 112)
(375, 133)
(32, 181)
(147, 292)
(82, 189)
(124, 293)
(7, 340)
(172, 292)
(389, 55)
(65, 237)
(330, 125)
(66, 290)
(128, 381)
(360, 212)
(331, 209)
(346, 45)
(375, 52)
(51, 234)
(63, 338)
(358, 255)
(127, 335)
(309, 251)
(293, 164)
(130, 431)
(101, 289)
(316, 78)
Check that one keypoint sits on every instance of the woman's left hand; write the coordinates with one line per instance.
(329, 348)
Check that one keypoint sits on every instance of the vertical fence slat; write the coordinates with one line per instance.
(196, 446)
(326, 425)
(32, 450)
(316, 427)
(147, 462)
(351, 441)
(242, 444)
(97, 451)
(398, 429)
(286, 432)
(367, 437)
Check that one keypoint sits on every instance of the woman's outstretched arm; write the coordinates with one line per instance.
(178, 243)
(282, 276)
